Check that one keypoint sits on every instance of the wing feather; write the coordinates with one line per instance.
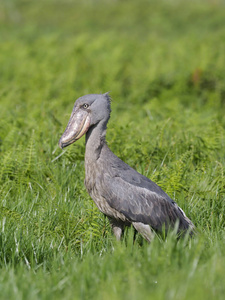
(140, 204)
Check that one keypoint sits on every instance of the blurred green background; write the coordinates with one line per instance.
(163, 63)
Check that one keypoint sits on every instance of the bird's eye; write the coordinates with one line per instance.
(85, 105)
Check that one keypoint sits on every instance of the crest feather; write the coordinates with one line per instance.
(107, 96)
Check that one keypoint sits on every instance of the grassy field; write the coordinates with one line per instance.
(164, 63)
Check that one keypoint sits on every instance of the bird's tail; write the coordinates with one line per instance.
(186, 225)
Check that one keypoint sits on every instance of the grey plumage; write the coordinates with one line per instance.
(125, 196)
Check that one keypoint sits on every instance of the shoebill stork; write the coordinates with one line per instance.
(122, 194)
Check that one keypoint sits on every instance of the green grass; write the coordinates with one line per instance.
(163, 62)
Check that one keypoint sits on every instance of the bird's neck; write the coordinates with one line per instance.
(95, 140)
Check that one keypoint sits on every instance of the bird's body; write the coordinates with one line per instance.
(125, 196)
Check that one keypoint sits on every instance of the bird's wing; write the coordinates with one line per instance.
(128, 174)
(141, 200)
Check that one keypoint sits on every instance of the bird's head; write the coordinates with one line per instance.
(87, 111)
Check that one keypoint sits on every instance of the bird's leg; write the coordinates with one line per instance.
(144, 230)
(117, 228)
(117, 232)
(135, 234)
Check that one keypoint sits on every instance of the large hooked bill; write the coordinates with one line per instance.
(77, 126)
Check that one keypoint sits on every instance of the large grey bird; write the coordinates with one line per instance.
(125, 196)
